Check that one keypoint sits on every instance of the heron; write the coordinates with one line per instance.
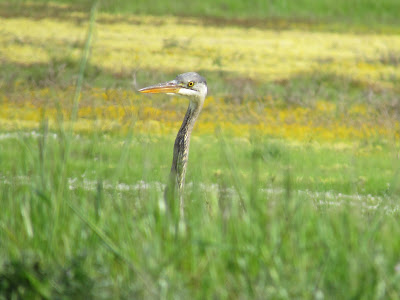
(193, 86)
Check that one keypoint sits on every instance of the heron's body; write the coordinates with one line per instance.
(194, 87)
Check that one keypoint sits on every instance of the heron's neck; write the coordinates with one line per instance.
(182, 141)
(191, 115)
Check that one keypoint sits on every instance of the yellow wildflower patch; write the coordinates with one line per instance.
(169, 43)
(163, 115)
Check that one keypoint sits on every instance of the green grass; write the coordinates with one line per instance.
(85, 218)
(360, 12)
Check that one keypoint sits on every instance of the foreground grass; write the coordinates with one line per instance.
(121, 242)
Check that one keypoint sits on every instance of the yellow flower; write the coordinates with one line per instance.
(251, 52)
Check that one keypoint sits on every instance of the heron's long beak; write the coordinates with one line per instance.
(167, 87)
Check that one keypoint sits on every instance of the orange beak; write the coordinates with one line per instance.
(167, 87)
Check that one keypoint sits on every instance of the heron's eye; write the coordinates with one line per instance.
(190, 83)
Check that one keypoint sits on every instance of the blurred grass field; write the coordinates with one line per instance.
(293, 181)
(364, 13)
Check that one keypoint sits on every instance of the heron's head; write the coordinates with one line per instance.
(187, 84)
